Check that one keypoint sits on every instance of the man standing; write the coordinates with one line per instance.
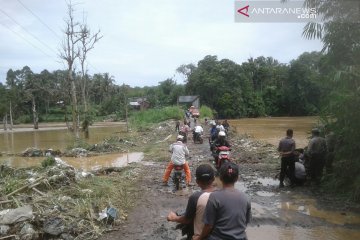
(286, 149)
(317, 151)
(205, 176)
(179, 151)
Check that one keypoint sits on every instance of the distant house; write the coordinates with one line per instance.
(139, 103)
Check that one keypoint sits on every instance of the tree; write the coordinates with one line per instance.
(340, 34)
(69, 53)
(87, 43)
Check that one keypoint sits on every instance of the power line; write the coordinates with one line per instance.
(27, 40)
(28, 31)
(38, 18)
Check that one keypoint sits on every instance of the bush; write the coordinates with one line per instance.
(142, 119)
(206, 112)
(49, 161)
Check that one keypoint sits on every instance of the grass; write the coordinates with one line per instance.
(143, 119)
(206, 112)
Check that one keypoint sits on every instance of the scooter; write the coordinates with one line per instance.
(178, 176)
(197, 138)
(221, 155)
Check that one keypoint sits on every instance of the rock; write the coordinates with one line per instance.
(52, 153)
(54, 226)
(77, 152)
(4, 229)
(66, 236)
(28, 233)
(32, 152)
(11, 216)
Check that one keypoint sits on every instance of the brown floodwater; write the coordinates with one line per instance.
(55, 137)
(84, 163)
(272, 129)
(270, 232)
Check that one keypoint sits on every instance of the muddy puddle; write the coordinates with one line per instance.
(292, 214)
(85, 163)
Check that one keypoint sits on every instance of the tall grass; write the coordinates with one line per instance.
(206, 112)
(143, 119)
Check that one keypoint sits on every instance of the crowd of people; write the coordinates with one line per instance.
(224, 213)
(301, 165)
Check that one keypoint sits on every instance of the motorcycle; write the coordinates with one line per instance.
(197, 138)
(178, 176)
(186, 229)
(221, 155)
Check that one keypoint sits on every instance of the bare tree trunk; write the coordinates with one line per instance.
(35, 115)
(11, 118)
(74, 106)
(5, 122)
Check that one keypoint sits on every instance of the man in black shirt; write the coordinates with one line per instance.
(286, 149)
(197, 201)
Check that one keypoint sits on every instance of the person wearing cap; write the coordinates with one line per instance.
(228, 211)
(317, 151)
(179, 152)
(286, 149)
(195, 208)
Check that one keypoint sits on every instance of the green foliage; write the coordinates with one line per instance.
(49, 161)
(206, 112)
(145, 118)
(340, 34)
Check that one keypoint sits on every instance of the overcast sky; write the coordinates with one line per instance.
(144, 41)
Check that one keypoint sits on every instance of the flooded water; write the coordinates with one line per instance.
(270, 232)
(52, 137)
(291, 214)
(272, 129)
(84, 163)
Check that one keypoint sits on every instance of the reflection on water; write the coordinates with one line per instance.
(85, 163)
(272, 129)
(16, 141)
(297, 233)
(308, 207)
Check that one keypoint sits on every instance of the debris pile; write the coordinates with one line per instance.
(59, 202)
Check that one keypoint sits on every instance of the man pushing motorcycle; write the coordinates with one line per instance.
(179, 152)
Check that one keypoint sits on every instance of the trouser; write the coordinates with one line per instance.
(170, 167)
(329, 161)
(317, 163)
(287, 162)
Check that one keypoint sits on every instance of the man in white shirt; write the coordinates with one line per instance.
(178, 157)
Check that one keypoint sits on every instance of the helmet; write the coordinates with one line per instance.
(180, 137)
(222, 134)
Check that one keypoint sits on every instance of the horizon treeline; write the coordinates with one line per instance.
(258, 87)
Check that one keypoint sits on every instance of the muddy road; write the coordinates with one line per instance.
(290, 213)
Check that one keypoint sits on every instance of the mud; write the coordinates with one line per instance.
(289, 213)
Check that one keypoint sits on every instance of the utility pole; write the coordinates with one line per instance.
(126, 109)
(11, 118)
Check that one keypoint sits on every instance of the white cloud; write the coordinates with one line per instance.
(145, 41)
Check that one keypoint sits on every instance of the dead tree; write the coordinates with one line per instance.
(87, 43)
(69, 53)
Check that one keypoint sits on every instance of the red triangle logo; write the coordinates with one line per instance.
(244, 11)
